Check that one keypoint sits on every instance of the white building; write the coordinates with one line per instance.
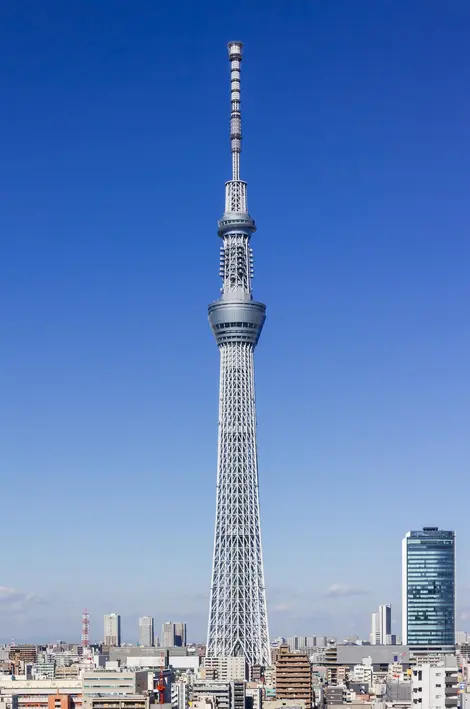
(111, 682)
(375, 629)
(146, 631)
(227, 695)
(363, 673)
(112, 630)
(385, 623)
(254, 695)
(435, 687)
(168, 634)
(225, 669)
(381, 626)
(180, 694)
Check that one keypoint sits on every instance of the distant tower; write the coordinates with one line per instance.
(385, 621)
(146, 631)
(85, 628)
(238, 623)
(112, 630)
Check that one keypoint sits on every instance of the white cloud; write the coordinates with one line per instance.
(338, 590)
(280, 607)
(12, 599)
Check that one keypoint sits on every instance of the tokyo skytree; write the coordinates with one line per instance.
(238, 623)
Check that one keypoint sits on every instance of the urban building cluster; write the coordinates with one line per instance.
(173, 634)
(428, 667)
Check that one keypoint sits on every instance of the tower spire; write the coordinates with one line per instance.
(235, 189)
(235, 57)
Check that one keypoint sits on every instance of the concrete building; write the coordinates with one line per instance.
(139, 656)
(146, 631)
(180, 694)
(180, 635)
(381, 655)
(363, 674)
(336, 675)
(67, 671)
(21, 655)
(293, 643)
(254, 696)
(428, 589)
(168, 634)
(112, 630)
(204, 703)
(27, 693)
(334, 696)
(435, 687)
(43, 670)
(225, 668)
(111, 683)
(131, 701)
(60, 701)
(225, 695)
(286, 704)
(174, 634)
(293, 676)
(381, 626)
(385, 623)
(303, 643)
(375, 629)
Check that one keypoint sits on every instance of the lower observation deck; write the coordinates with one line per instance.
(237, 321)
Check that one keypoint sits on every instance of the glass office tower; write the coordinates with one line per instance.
(429, 588)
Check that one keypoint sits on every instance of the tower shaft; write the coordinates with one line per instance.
(238, 623)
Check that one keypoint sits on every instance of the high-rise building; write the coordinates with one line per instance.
(168, 634)
(180, 634)
(174, 634)
(381, 626)
(385, 622)
(428, 588)
(146, 632)
(238, 622)
(375, 629)
(112, 630)
(225, 668)
(293, 676)
(226, 695)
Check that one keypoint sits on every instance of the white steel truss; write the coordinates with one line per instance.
(238, 622)
(238, 618)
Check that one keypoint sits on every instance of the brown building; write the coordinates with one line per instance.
(21, 654)
(293, 676)
(60, 701)
(67, 672)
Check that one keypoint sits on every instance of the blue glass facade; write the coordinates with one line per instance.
(429, 587)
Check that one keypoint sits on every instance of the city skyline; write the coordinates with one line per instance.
(116, 149)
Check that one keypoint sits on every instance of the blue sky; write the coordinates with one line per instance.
(114, 157)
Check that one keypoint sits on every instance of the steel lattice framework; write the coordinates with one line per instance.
(238, 623)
